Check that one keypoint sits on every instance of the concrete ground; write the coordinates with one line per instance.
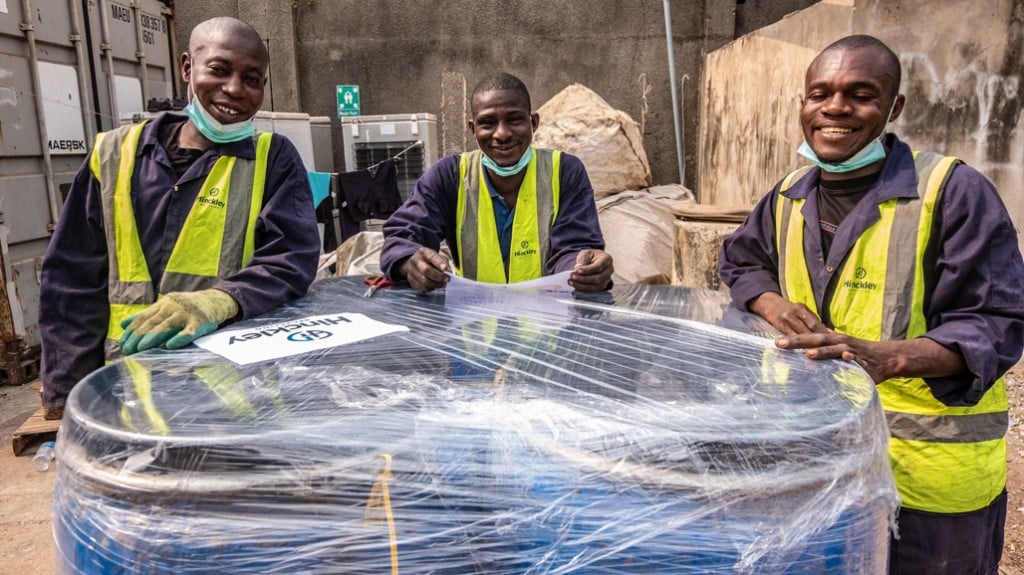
(26, 537)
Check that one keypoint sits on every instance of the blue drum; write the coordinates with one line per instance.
(623, 437)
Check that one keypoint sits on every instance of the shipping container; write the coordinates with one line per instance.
(68, 69)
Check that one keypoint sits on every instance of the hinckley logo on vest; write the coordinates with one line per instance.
(859, 282)
(301, 335)
(524, 250)
(209, 197)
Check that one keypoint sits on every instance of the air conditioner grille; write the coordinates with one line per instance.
(410, 165)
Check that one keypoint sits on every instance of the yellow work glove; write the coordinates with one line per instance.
(176, 319)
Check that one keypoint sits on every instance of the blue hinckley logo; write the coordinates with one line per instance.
(297, 330)
(311, 335)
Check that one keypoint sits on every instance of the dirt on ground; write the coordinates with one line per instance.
(1013, 548)
(26, 540)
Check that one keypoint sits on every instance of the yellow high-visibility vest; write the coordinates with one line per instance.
(945, 459)
(477, 233)
(217, 239)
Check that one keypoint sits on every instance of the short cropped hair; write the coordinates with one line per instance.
(502, 81)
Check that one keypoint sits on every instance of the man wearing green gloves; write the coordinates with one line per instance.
(177, 225)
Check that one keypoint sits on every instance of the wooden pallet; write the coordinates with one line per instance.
(34, 430)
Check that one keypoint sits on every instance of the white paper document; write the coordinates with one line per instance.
(557, 283)
(277, 340)
(545, 298)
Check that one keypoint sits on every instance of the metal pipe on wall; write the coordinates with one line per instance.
(108, 53)
(172, 74)
(83, 74)
(37, 90)
(675, 96)
(140, 52)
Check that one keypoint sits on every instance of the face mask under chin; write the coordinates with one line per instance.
(505, 172)
(213, 130)
(868, 155)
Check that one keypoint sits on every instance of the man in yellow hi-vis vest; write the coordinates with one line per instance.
(906, 263)
(179, 224)
(509, 212)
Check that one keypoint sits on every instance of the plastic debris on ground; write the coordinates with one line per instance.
(651, 429)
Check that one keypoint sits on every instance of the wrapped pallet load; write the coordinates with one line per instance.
(639, 228)
(636, 219)
(650, 430)
(608, 141)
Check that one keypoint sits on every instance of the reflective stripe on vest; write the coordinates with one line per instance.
(945, 459)
(140, 412)
(138, 399)
(216, 240)
(535, 213)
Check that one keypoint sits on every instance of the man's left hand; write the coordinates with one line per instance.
(877, 358)
(176, 319)
(593, 270)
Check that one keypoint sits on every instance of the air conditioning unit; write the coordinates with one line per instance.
(369, 140)
(293, 125)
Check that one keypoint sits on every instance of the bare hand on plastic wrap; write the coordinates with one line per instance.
(593, 271)
(879, 362)
(882, 360)
(787, 317)
(425, 270)
(802, 329)
(918, 357)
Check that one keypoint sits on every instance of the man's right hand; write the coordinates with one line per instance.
(787, 317)
(425, 270)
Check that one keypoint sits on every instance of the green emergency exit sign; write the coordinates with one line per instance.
(348, 101)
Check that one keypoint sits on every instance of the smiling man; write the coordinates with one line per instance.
(177, 225)
(907, 264)
(509, 212)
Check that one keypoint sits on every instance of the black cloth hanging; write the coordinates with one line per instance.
(329, 214)
(370, 193)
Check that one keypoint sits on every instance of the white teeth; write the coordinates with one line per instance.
(835, 130)
(227, 111)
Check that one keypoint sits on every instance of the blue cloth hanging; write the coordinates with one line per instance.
(321, 184)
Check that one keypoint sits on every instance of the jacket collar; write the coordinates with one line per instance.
(245, 149)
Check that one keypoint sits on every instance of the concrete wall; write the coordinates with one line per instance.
(752, 15)
(750, 103)
(410, 56)
(274, 20)
(962, 66)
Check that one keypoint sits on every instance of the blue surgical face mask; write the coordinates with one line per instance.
(869, 154)
(510, 170)
(214, 130)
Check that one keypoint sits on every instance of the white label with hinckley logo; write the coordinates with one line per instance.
(287, 338)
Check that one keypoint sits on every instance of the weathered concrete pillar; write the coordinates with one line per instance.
(699, 232)
(695, 256)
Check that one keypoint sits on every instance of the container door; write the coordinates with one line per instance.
(133, 55)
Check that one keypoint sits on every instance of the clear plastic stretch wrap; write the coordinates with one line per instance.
(649, 430)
